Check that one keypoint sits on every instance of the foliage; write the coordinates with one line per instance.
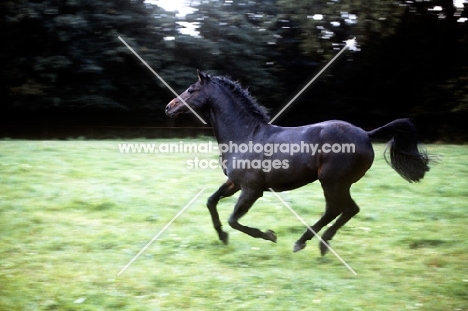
(67, 54)
(62, 61)
(411, 61)
(239, 41)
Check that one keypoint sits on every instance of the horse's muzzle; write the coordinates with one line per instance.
(172, 108)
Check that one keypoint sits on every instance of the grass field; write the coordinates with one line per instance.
(74, 213)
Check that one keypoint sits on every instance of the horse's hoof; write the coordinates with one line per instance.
(224, 237)
(324, 248)
(298, 246)
(270, 235)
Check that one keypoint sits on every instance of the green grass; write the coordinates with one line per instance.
(74, 213)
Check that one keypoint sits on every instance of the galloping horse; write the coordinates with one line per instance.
(238, 120)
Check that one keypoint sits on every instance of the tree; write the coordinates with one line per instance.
(411, 62)
(236, 39)
(61, 61)
(66, 55)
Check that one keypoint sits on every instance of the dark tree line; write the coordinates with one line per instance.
(61, 62)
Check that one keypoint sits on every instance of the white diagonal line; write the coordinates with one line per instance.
(349, 43)
(162, 80)
(312, 230)
(160, 232)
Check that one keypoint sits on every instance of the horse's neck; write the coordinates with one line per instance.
(226, 132)
(231, 125)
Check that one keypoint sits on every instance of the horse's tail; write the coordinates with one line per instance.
(405, 155)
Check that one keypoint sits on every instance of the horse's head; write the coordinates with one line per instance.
(194, 97)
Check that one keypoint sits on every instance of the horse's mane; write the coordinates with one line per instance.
(247, 100)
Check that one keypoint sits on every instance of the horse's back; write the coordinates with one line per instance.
(337, 131)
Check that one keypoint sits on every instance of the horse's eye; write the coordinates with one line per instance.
(190, 91)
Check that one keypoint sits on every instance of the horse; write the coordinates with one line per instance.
(242, 130)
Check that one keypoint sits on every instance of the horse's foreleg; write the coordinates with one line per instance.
(246, 200)
(226, 190)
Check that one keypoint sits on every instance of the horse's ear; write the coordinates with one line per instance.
(202, 77)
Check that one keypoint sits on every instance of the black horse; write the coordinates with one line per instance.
(243, 133)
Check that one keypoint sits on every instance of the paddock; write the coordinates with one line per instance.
(74, 213)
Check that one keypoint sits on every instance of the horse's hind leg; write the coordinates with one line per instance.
(338, 201)
(330, 214)
(226, 190)
(350, 210)
(246, 200)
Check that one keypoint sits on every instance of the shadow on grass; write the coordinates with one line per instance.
(429, 243)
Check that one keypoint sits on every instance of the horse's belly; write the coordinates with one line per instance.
(287, 186)
(290, 178)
